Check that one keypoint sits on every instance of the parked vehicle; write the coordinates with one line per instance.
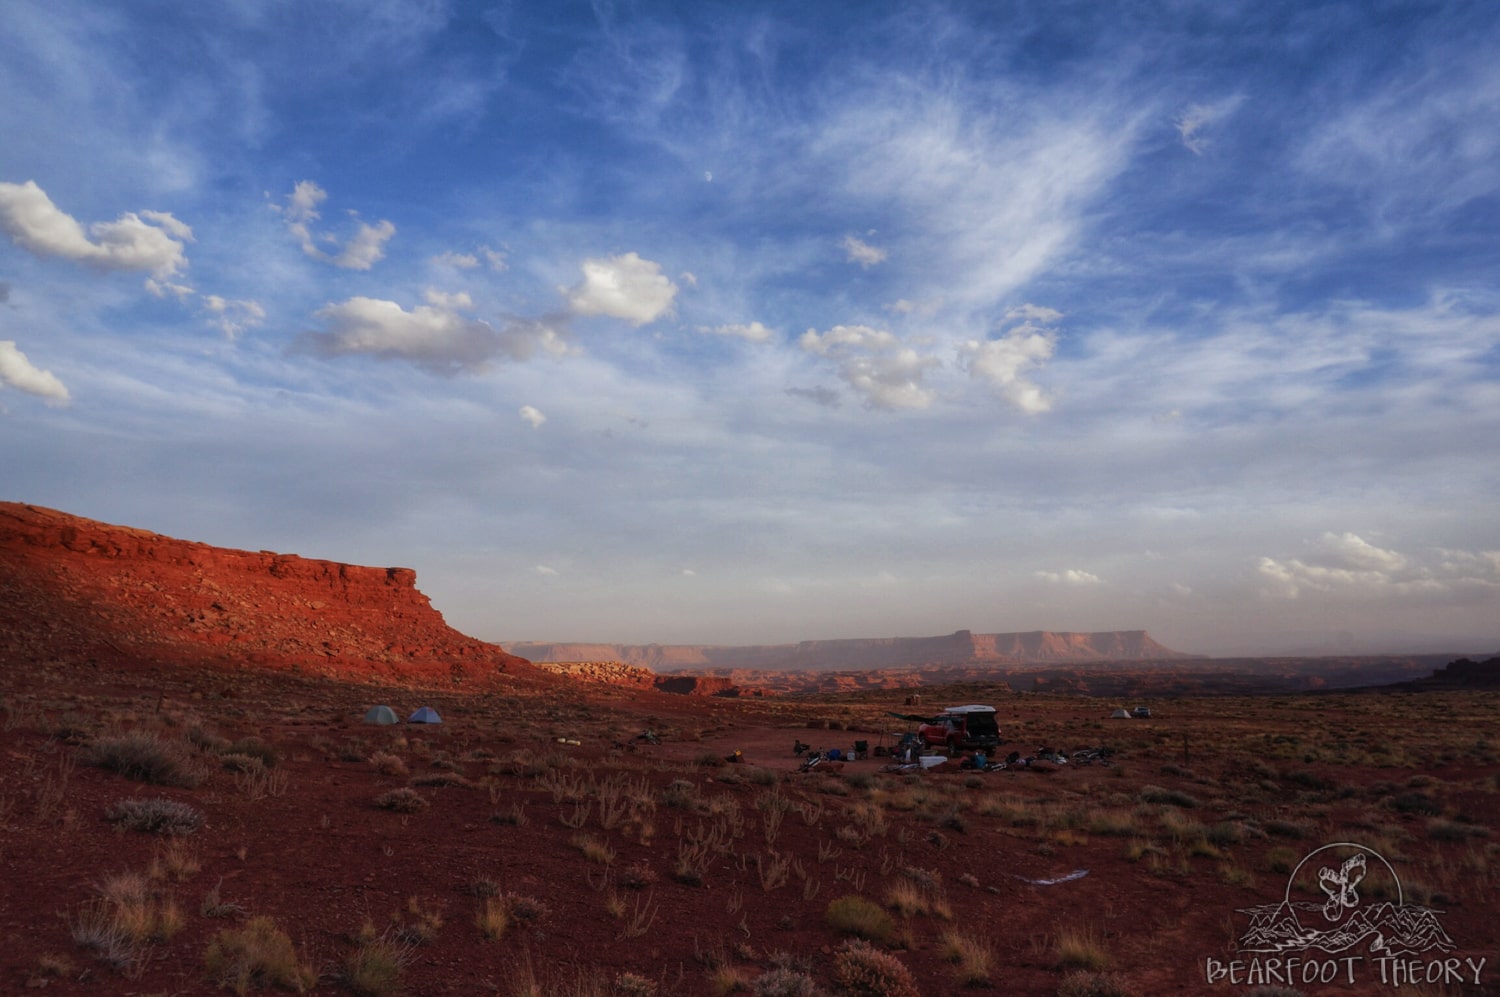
(962, 728)
(1141, 713)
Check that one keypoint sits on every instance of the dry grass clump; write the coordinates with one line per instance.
(374, 968)
(865, 971)
(1081, 948)
(126, 916)
(154, 816)
(852, 914)
(783, 981)
(256, 956)
(1167, 797)
(972, 957)
(146, 758)
(1082, 983)
(402, 801)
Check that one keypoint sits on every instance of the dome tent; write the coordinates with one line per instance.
(425, 715)
(381, 715)
(1120, 715)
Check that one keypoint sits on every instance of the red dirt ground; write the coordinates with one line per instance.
(1201, 815)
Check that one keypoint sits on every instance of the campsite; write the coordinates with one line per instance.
(480, 855)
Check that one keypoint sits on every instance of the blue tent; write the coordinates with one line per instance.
(426, 715)
(381, 715)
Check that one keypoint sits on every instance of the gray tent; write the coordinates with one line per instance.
(1119, 715)
(426, 715)
(381, 715)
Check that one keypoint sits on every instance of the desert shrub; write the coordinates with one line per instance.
(1416, 803)
(253, 747)
(388, 764)
(1170, 797)
(1081, 983)
(256, 956)
(785, 982)
(864, 971)
(680, 794)
(403, 801)
(442, 780)
(154, 816)
(146, 758)
(855, 915)
(633, 985)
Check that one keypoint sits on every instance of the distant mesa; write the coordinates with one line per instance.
(77, 591)
(960, 649)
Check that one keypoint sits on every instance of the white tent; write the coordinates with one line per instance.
(1120, 715)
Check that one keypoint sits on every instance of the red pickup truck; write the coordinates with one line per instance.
(958, 728)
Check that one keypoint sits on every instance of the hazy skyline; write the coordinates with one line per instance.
(761, 322)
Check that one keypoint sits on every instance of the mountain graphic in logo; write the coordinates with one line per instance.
(1345, 917)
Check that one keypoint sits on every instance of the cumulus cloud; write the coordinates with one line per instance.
(1192, 122)
(151, 240)
(532, 415)
(361, 251)
(18, 372)
(862, 252)
(625, 286)
(232, 316)
(1072, 576)
(754, 332)
(438, 337)
(1346, 564)
(1006, 362)
(875, 364)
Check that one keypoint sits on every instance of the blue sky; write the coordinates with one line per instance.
(759, 322)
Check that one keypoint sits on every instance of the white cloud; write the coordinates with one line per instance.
(150, 241)
(1071, 576)
(365, 247)
(862, 252)
(876, 364)
(532, 415)
(1192, 122)
(232, 316)
(542, 569)
(19, 373)
(1006, 362)
(754, 332)
(163, 288)
(625, 286)
(437, 336)
(462, 261)
(1345, 564)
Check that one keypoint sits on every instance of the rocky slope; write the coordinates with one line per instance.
(959, 649)
(73, 590)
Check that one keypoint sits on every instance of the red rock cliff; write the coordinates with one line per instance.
(76, 590)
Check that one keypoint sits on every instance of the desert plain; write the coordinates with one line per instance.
(192, 803)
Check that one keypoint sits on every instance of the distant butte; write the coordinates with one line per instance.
(960, 649)
(77, 591)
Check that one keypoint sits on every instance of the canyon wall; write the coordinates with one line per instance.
(76, 590)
